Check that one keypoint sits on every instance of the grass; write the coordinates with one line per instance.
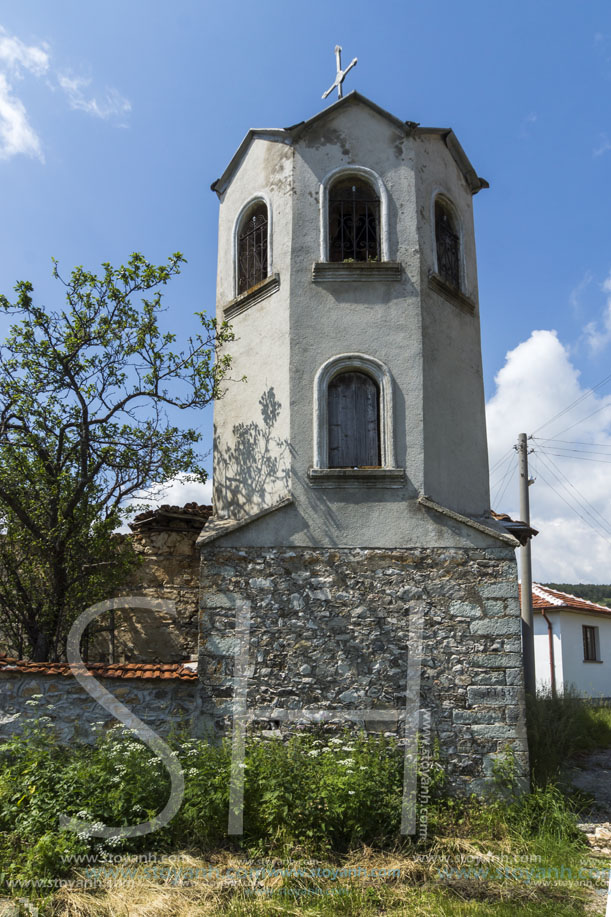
(559, 728)
(310, 804)
(241, 886)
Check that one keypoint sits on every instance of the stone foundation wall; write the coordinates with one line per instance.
(162, 705)
(329, 636)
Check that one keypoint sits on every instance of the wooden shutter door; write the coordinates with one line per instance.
(354, 439)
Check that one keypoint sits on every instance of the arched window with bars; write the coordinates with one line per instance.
(252, 247)
(354, 421)
(354, 220)
(447, 241)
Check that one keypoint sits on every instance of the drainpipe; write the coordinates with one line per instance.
(552, 668)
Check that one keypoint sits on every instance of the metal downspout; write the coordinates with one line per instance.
(552, 667)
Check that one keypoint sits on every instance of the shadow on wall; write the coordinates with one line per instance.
(254, 471)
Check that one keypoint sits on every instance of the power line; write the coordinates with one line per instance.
(580, 499)
(577, 491)
(583, 419)
(574, 404)
(502, 459)
(589, 524)
(570, 442)
(579, 458)
(501, 471)
(564, 449)
(508, 478)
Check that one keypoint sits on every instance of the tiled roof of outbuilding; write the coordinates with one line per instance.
(189, 516)
(182, 671)
(547, 599)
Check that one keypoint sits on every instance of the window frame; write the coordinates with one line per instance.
(260, 198)
(372, 178)
(356, 362)
(441, 196)
(595, 639)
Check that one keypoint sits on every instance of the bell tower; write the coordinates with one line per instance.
(352, 527)
(347, 269)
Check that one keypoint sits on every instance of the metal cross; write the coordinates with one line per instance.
(341, 74)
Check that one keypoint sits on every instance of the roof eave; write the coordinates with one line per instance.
(290, 134)
(276, 135)
(474, 181)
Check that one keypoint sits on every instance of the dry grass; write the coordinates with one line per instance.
(188, 886)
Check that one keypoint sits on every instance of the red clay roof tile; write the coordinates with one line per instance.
(180, 671)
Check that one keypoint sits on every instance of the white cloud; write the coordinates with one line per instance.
(17, 136)
(597, 334)
(537, 382)
(576, 294)
(603, 147)
(529, 120)
(113, 104)
(15, 56)
(16, 133)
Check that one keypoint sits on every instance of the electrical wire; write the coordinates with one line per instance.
(564, 449)
(502, 459)
(573, 404)
(580, 499)
(606, 524)
(551, 486)
(508, 477)
(570, 442)
(500, 474)
(604, 407)
(578, 458)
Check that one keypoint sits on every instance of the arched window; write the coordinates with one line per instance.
(252, 247)
(354, 421)
(447, 241)
(354, 221)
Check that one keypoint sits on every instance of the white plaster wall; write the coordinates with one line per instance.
(251, 452)
(589, 678)
(542, 661)
(455, 446)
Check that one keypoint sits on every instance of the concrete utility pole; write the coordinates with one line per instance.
(528, 642)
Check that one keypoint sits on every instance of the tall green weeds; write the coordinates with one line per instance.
(561, 727)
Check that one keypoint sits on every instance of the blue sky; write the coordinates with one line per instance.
(116, 117)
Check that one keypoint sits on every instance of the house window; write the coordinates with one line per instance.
(354, 221)
(591, 651)
(354, 421)
(447, 243)
(252, 248)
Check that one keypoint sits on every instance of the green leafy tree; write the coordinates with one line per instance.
(85, 398)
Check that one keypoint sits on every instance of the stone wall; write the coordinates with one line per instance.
(329, 632)
(169, 571)
(161, 704)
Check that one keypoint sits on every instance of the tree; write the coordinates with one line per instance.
(85, 398)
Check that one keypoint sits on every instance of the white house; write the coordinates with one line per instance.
(572, 643)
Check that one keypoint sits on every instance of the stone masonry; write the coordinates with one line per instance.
(163, 705)
(329, 631)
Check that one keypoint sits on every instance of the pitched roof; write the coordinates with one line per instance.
(181, 671)
(521, 530)
(189, 516)
(290, 135)
(545, 598)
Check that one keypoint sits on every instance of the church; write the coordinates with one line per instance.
(352, 572)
